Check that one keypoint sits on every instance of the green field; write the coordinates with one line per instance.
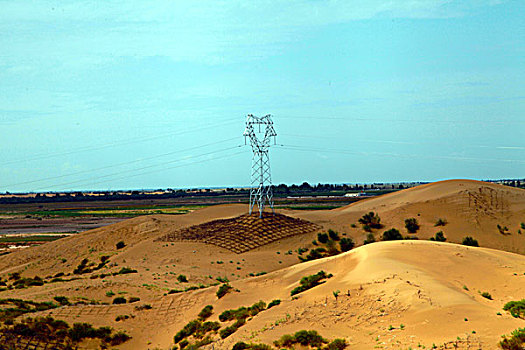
(113, 212)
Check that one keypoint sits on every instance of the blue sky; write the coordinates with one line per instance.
(113, 95)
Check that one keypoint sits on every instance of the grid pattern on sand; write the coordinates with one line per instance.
(243, 233)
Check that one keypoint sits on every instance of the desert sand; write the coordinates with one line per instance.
(393, 295)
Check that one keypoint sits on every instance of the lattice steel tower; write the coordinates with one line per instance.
(261, 181)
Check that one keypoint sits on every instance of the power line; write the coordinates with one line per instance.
(119, 164)
(137, 169)
(332, 137)
(349, 119)
(328, 150)
(120, 143)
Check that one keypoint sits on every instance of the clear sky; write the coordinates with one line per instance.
(115, 95)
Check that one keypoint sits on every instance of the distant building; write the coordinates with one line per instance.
(358, 194)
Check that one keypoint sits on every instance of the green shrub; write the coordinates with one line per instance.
(143, 307)
(226, 332)
(371, 220)
(346, 244)
(411, 225)
(439, 237)
(243, 312)
(121, 245)
(189, 329)
(206, 312)
(516, 308)
(273, 303)
(309, 282)
(121, 318)
(516, 341)
(486, 295)
(441, 222)
(391, 235)
(304, 338)
(333, 235)
(240, 346)
(369, 239)
(331, 248)
(62, 300)
(337, 344)
(469, 241)
(223, 290)
(322, 237)
(119, 300)
(183, 344)
(503, 230)
(182, 278)
(314, 254)
(126, 270)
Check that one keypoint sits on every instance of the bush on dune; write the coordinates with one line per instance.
(392, 235)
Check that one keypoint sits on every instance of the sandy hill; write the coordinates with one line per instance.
(393, 295)
(432, 289)
(159, 261)
(471, 208)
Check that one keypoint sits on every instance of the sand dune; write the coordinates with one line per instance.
(432, 289)
(471, 208)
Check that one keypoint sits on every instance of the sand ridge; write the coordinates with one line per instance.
(392, 295)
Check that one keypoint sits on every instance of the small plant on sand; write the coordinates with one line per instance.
(143, 307)
(239, 315)
(346, 244)
(336, 294)
(371, 219)
(119, 300)
(411, 225)
(322, 237)
(62, 300)
(245, 346)
(48, 330)
(516, 308)
(369, 239)
(304, 338)
(182, 278)
(441, 222)
(504, 230)
(469, 241)
(391, 235)
(206, 312)
(120, 245)
(333, 235)
(309, 282)
(126, 270)
(439, 237)
(516, 340)
(273, 303)
(223, 290)
(486, 295)
(337, 344)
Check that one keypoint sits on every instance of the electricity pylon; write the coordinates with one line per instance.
(261, 179)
